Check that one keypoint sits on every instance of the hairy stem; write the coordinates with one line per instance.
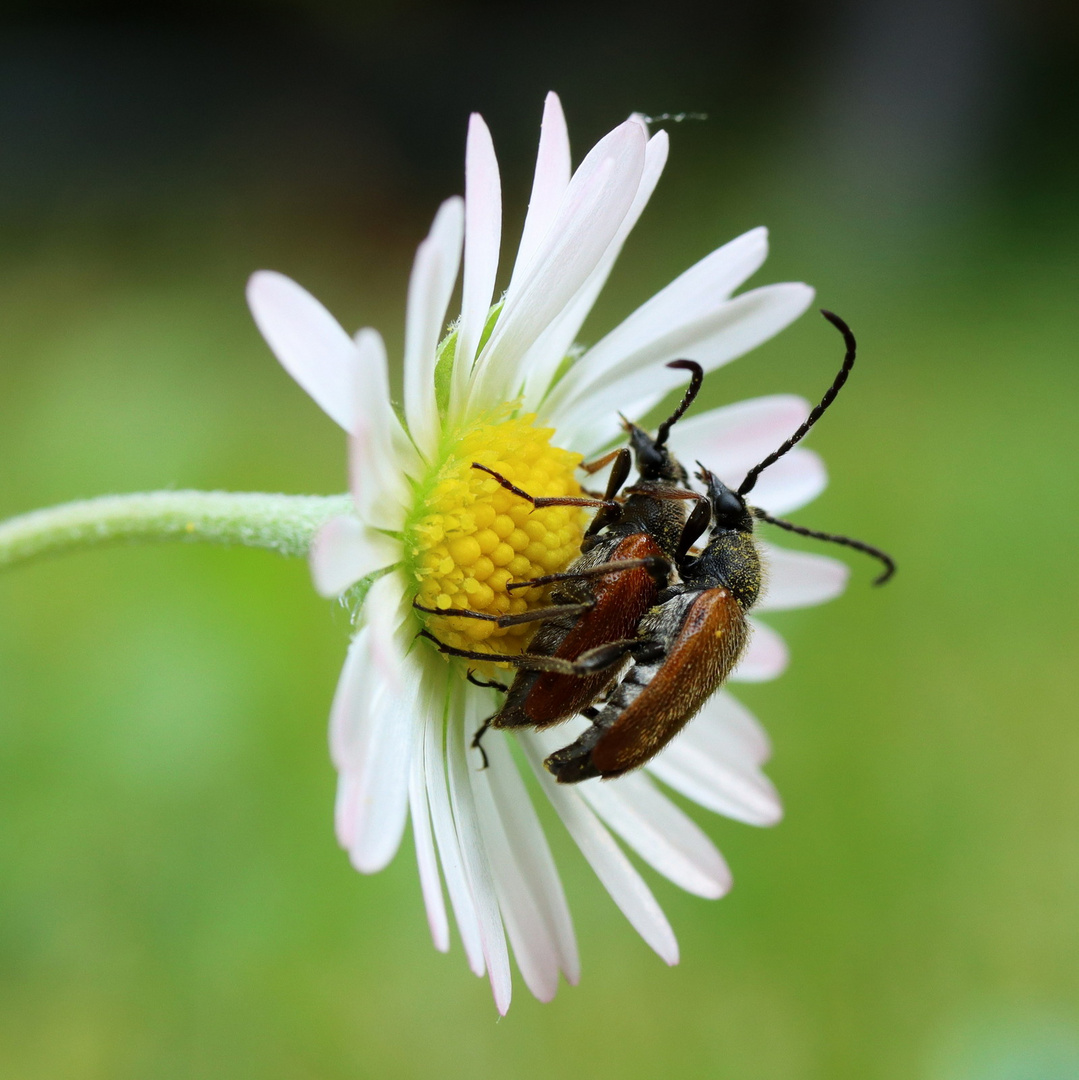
(282, 523)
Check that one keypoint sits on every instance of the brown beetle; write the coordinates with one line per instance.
(686, 647)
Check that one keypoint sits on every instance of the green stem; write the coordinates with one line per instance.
(282, 523)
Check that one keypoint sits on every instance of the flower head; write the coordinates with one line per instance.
(508, 387)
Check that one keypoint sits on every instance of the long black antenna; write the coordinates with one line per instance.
(750, 481)
(696, 378)
(846, 541)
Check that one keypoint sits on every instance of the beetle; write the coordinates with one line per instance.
(686, 647)
(690, 641)
(628, 552)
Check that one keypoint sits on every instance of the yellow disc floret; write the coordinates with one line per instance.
(468, 537)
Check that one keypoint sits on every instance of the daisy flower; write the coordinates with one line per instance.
(508, 386)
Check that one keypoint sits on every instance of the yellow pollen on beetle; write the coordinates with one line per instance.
(468, 537)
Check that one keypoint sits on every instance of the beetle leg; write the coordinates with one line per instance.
(541, 501)
(658, 567)
(603, 656)
(527, 661)
(554, 611)
(487, 684)
(477, 744)
(591, 467)
(612, 512)
(696, 523)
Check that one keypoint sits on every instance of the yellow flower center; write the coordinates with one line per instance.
(468, 537)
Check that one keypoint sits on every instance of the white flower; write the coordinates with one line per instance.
(403, 716)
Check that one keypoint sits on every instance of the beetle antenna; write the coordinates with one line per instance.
(848, 362)
(846, 541)
(696, 378)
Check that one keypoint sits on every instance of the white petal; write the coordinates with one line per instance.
(548, 186)
(727, 731)
(537, 864)
(372, 724)
(434, 272)
(474, 856)
(595, 204)
(380, 452)
(696, 294)
(660, 833)
(307, 340)
(606, 858)
(545, 357)
(795, 479)
(530, 895)
(702, 765)
(732, 439)
(797, 579)
(344, 550)
(374, 662)
(606, 430)
(766, 655)
(349, 713)
(734, 328)
(449, 847)
(426, 860)
(483, 235)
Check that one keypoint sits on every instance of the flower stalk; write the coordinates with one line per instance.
(281, 523)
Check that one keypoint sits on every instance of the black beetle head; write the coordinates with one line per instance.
(729, 509)
(652, 458)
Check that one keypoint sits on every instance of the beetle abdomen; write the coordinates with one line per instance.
(656, 699)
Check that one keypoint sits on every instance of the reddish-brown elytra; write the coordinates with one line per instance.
(688, 644)
(626, 559)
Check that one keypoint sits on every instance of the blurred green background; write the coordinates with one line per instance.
(172, 901)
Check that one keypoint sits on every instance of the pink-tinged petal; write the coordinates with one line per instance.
(434, 272)
(607, 430)
(694, 296)
(795, 479)
(348, 716)
(766, 656)
(548, 187)
(380, 452)
(445, 829)
(614, 870)
(474, 856)
(426, 860)
(596, 202)
(344, 550)
(727, 731)
(307, 340)
(704, 772)
(796, 579)
(371, 724)
(533, 855)
(483, 236)
(382, 784)
(372, 662)
(660, 833)
(734, 328)
(545, 357)
(732, 439)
